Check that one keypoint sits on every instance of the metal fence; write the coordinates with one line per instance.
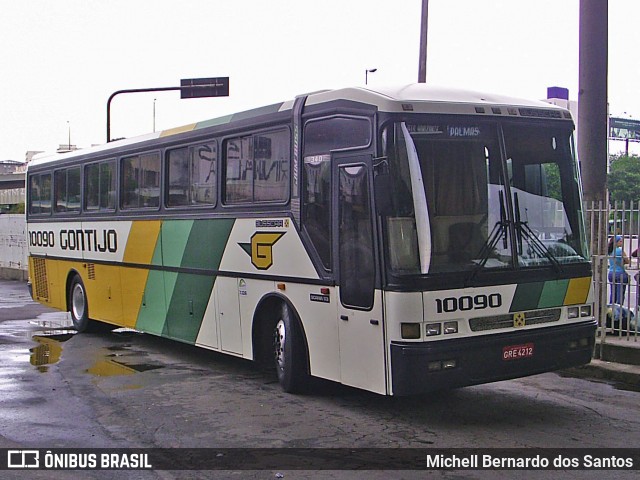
(616, 296)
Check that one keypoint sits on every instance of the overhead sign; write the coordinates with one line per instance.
(204, 87)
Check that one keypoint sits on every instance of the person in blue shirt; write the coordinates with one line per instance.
(618, 276)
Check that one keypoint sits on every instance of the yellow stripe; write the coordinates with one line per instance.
(142, 241)
(175, 131)
(578, 291)
(140, 247)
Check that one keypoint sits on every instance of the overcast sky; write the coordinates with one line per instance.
(62, 59)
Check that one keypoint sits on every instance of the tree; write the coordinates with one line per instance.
(623, 179)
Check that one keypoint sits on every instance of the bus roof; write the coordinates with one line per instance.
(417, 98)
(391, 99)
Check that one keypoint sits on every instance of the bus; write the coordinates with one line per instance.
(398, 240)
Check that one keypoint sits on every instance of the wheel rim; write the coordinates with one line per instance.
(78, 302)
(279, 344)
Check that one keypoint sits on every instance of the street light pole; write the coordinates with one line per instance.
(422, 60)
(366, 74)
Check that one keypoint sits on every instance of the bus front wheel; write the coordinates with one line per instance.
(289, 353)
(78, 306)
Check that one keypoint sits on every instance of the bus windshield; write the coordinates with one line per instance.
(471, 195)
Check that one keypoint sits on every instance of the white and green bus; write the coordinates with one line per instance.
(398, 241)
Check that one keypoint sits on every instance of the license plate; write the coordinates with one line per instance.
(514, 352)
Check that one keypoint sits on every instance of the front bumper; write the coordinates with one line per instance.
(480, 359)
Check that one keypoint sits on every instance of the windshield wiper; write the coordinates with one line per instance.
(497, 232)
(523, 229)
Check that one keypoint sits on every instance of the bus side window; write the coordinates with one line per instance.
(60, 191)
(256, 168)
(129, 188)
(191, 175)
(40, 194)
(140, 185)
(271, 158)
(204, 159)
(178, 177)
(108, 185)
(67, 190)
(239, 171)
(100, 186)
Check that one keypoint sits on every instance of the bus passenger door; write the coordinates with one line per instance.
(360, 321)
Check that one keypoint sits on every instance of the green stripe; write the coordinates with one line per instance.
(189, 301)
(157, 252)
(553, 293)
(526, 296)
(174, 303)
(206, 243)
(214, 121)
(175, 234)
(256, 112)
(152, 315)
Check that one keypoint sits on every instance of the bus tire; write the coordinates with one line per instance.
(290, 354)
(78, 305)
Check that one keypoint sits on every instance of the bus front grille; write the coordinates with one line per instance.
(41, 285)
(496, 322)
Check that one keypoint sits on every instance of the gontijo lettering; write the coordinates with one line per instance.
(89, 240)
(84, 240)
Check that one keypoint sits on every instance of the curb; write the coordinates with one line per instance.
(628, 375)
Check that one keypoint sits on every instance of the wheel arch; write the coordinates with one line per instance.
(265, 318)
(70, 276)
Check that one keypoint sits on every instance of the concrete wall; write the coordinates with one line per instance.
(13, 247)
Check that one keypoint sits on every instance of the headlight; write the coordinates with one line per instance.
(573, 312)
(450, 327)
(433, 329)
(585, 311)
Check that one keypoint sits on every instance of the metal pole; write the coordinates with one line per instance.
(593, 133)
(422, 61)
(592, 98)
(131, 90)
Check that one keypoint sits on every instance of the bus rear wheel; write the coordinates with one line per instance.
(290, 355)
(78, 306)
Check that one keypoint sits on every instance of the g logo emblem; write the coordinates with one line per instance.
(261, 248)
